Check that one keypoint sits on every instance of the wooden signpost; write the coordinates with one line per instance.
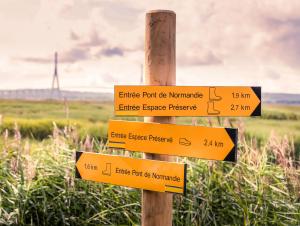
(160, 70)
(158, 136)
(170, 139)
(137, 173)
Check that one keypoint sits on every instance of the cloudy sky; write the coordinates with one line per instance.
(101, 43)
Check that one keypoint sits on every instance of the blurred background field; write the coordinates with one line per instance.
(35, 119)
(37, 185)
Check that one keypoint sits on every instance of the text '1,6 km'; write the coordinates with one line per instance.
(136, 173)
(187, 101)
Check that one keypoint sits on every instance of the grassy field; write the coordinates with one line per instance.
(37, 185)
(283, 119)
(35, 119)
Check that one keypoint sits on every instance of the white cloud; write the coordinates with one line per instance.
(101, 42)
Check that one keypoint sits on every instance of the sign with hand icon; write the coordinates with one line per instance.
(169, 139)
(184, 141)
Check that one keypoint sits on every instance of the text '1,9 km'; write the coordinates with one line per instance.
(187, 101)
(159, 137)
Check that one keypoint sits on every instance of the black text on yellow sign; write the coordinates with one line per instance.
(179, 140)
(130, 172)
(187, 101)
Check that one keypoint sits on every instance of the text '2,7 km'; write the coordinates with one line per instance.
(187, 101)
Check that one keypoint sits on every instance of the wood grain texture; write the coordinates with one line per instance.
(160, 69)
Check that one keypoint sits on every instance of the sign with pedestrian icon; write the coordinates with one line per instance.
(161, 99)
(107, 170)
(169, 139)
(187, 101)
(130, 172)
(213, 97)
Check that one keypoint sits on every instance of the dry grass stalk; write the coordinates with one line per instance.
(16, 145)
(194, 121)
(88, 144)
(240, 125)
(29, 163)
(5, 144)
(209, 122)
(282, 149)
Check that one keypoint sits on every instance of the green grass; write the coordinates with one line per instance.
(263, 127)
(55, 110)
(91, 112)
(35, 119)
(37, 185)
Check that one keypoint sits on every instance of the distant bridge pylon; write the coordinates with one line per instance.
(55, 80)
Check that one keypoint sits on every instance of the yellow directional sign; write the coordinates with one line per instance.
(137, 173)
(170, 139)
(187, 101)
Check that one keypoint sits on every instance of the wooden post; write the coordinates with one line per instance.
(160, 69)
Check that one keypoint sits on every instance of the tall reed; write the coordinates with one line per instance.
(37, 185)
